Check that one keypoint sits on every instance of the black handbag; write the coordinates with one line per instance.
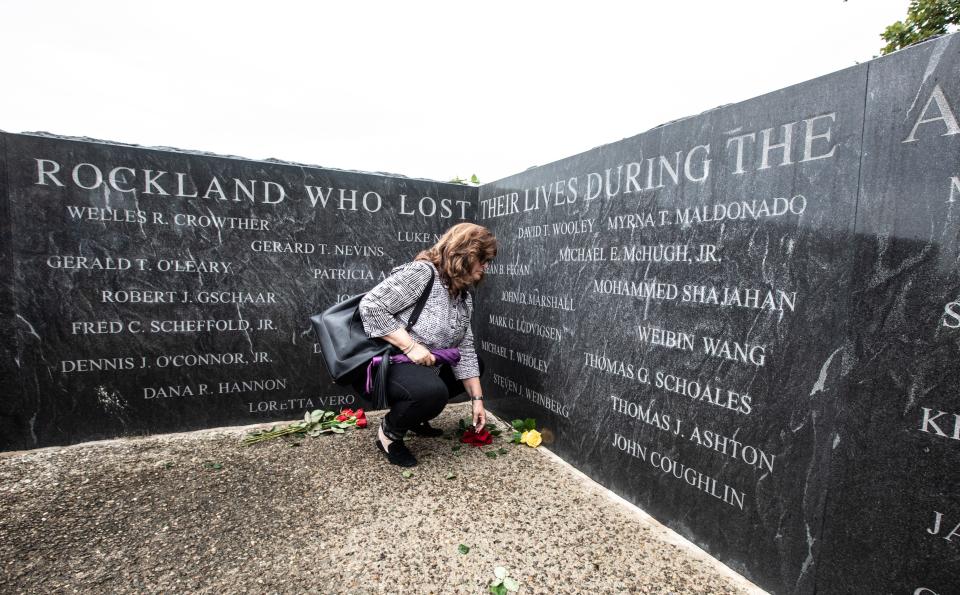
(346, 349)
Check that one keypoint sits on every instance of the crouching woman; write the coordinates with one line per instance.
(418, 391)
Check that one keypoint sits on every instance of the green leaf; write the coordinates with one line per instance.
(462, 424)
(338, 430)
(315, 416)
(328, 415)
(498, 589)
(495, 432)
(502, 450)
(516, 437)
(407, 474)
(925, 18)
(456, 447)
(474, 179)
(306, 417)
(451, 475)
(343, 424)
(463, 549)
(511, 584)
(314, 433)
(500, 572)
(517, 425)
(490, 454)
(529, 424)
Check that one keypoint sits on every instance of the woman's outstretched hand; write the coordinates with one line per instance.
(479, 416)
(421, 355)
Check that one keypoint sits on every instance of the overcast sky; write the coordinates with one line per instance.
(422, 89)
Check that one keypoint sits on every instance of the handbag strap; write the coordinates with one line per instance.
(415, 315)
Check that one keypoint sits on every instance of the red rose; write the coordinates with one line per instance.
(474, 438)
(361, 418)
(341, 417)
(347, 412)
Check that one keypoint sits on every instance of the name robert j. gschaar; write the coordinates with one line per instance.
(154, 296)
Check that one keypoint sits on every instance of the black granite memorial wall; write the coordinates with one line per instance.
(746, 323)
(155, 290)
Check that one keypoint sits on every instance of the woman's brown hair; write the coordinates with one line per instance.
(457, 251)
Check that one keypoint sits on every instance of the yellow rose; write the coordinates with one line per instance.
(523, 437)
(533, 438)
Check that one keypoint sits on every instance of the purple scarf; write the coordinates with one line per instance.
(443, 356)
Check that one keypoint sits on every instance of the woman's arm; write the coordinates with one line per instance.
(417, 353)
(469, 366)
(473, 389)
(395, 294)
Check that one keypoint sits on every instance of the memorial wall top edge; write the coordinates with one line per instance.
(507, 180)
(198, 153)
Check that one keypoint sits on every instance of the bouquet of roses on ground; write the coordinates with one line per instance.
(525, 432)
(470, 435)
(314, 423)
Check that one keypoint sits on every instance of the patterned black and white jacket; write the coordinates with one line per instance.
(444, 321)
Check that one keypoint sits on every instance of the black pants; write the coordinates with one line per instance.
(417, 394)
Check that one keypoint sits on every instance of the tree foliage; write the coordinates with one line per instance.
(474, 180)
(925, 19)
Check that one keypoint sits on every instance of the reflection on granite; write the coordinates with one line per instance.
(893, 520)
(692, 371)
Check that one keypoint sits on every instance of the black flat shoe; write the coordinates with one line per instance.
(398, 454)
(425, 429)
